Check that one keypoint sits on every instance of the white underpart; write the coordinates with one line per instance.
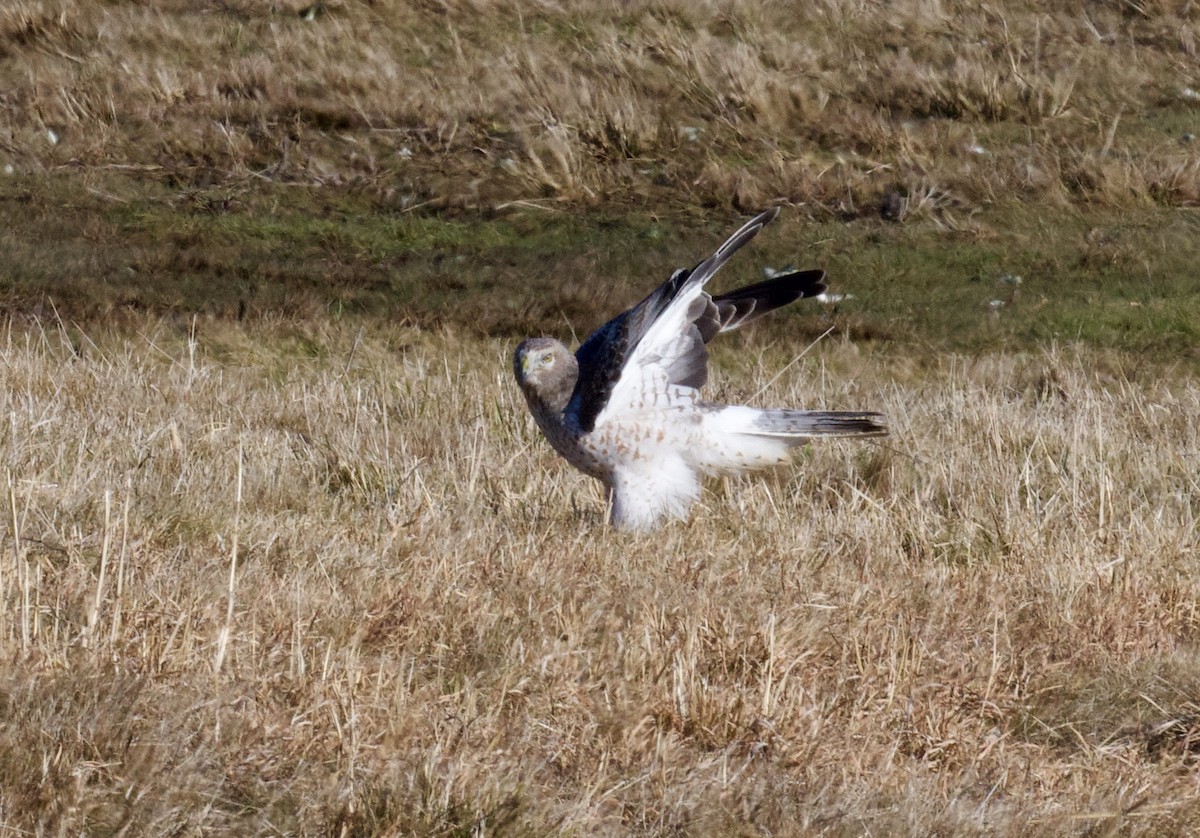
(659, 455)
(655, 434)
(649, 472)
(642, 496)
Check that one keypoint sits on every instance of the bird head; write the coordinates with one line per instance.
(536, 358)
(545, 368)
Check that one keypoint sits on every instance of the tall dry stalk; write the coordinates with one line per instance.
(226, 631)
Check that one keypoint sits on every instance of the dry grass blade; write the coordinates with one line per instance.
(223, 636)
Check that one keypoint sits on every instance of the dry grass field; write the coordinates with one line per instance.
(263, 591)
(281, 552)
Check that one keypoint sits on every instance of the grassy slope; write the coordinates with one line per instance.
(985, 626)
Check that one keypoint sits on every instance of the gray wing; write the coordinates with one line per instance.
(668, 330)
(606, 352)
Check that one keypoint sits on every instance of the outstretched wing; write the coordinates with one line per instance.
(655, 350)
(745, 305)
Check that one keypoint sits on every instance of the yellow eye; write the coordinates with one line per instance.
(547, 359)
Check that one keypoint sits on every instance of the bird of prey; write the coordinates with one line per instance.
(626, 407)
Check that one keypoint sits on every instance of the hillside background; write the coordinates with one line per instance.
(504, 165)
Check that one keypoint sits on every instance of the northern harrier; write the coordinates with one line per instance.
(626, 407)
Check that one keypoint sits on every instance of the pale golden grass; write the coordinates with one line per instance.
(971, 628)
(479, 103)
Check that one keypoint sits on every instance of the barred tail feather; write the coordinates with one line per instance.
(781, 422)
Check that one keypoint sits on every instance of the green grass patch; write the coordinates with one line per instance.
(1122, 280)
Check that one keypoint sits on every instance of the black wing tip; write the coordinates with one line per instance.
(767, 216)
(744, 234)
(745, 305)
(806, 283)
(793, 285)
